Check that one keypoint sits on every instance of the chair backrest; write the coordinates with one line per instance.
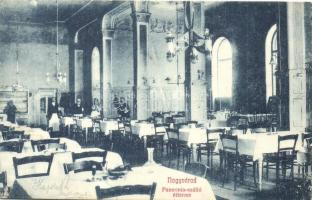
(33, 159)
(287, 143)
(307, 138)
(196, 168)
(40, 145)
(192, 122)
(160, 129)
(3, 180)
(173, 131)
(90, 154)
(82, 166)
(103, 193)
(212, 131)
(7, 135)
(180, 125)
(127, 127)
(229, 143)
(14, 146)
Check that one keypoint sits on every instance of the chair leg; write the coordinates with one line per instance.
(254, 170)
(267, 170)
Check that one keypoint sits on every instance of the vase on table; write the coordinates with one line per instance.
(150, 157)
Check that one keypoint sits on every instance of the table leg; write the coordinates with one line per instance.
(145, 141)
(194, 153)
(68, 131)
(260, 162)
(86, 135)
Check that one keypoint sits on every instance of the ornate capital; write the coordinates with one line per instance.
(108, 33)
(281, 74)
(141, 17)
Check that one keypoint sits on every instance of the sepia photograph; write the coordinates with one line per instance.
(156, 99)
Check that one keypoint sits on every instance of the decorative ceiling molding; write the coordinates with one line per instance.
(111, 18)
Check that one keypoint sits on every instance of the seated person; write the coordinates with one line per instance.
(78, 109)
(123, 109)
(95, 113)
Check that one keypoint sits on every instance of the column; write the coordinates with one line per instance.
(296, 60)
(195, 72)
(106, 77)
(140, 17)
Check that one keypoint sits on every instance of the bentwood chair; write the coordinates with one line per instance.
(207, 148)
(3, 181)
(284, 158)
(82, 166)
(197, 169)
(229, 156)
(33, 160)
(13, 146)
(118, 191)
(307, 141)
(90, 155)
(40, 145)
(231, 159)
(7, 135)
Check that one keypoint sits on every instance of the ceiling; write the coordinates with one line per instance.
(72, 12)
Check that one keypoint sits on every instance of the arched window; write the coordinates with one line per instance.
(95, 66)
(222, 74)
(271, 51)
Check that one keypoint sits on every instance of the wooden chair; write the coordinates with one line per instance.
(14, 146)
(197, 169)
(127, 128)
(33, 159)
(103, 193)
(229, 156)
(90, 154)
(307, 140)
(284, 158)
(7, 135)
(208, 147)
(82, 166)
(3, 180)
(40, 145)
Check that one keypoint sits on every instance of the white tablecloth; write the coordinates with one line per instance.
(143, 129)
(85, 123)
(35, 133)
(256, 145)
(76, 186)
(107, 126)
(194, 135)
(6, 161)
(66, 121)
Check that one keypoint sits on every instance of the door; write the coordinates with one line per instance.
(43, 99)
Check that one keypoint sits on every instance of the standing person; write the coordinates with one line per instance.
(78, 109)
(10, 111)
(96, 108)
(52, 109)
(52, 116)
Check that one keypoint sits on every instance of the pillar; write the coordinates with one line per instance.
(106, 76)
(140, 18)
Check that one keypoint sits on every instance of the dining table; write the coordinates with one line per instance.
(257, 145)
(170, 184)
(61, 156)
(107, 126)
(145, 129)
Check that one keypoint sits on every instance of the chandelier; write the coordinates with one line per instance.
(191, 39)
(61, 77)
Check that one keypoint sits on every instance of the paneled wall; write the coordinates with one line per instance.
(33, 49)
